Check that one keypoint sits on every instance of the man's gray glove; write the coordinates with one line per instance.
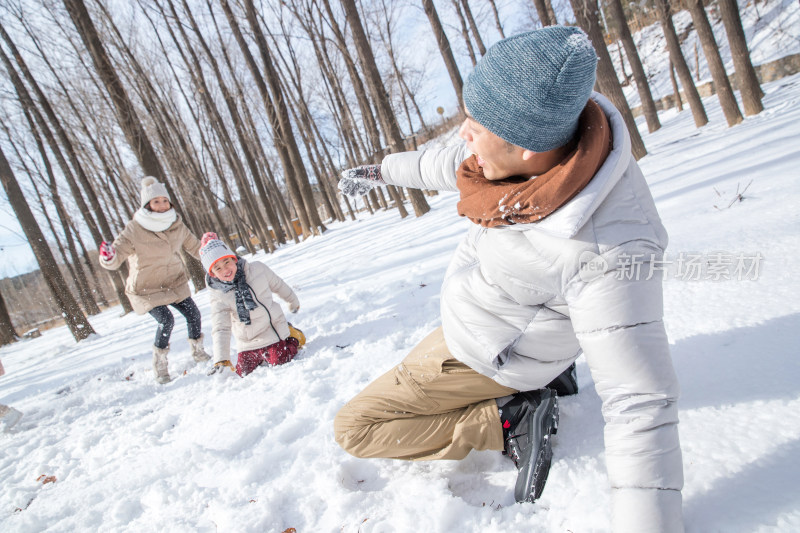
(359, 181)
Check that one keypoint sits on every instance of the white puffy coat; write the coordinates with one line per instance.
(268, 324)
(517, 307)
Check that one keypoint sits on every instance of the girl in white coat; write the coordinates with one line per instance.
(242, 305)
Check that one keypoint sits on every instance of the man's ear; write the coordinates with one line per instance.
(527, 155)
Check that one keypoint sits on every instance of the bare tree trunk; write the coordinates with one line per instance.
(284, 123)
(544, 14)
(586, 14)
(126, 113)
(27, 103)
(746, 77)
(625, 78)
(71, 311)
(264, 234)
(497, 19)
(551, 12)
(7, 332)
(642, 87)
(269, 197)
(715, 65)
(387, 119)
(177, 125)
(85, 292)
(303, 118)
(79, 277)
(386, 36)
(291, 179)
(465, 32)
(679, 62)
(675, 89)
(367, 115)
(446, 51)
(474, 27)
(193, 64)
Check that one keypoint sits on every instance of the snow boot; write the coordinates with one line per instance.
(160, 364)
(529, 419)
(198, 353)
(566, 384)
(8, 417)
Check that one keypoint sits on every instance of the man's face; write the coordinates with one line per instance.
(498, 158)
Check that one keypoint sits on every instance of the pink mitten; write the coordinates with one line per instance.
(107, 251)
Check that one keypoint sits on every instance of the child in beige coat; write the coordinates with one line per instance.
(151, 243)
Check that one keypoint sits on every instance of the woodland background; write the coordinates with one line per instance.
(249, 109)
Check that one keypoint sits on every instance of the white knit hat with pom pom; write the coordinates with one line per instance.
(152, 188)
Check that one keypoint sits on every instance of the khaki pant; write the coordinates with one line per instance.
(430, 406)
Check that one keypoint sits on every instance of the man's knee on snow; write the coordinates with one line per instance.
(350, 431)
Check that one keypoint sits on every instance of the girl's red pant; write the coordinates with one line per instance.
(275, 354)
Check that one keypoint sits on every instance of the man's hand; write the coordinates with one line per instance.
(359, 181)
(107, 251)
(220, 366)
(294, 307)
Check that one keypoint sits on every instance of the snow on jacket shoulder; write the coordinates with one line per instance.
(520, 303)
(268, 324)
(156, 275)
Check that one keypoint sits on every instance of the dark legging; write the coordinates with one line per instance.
(166, 321)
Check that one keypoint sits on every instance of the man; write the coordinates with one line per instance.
(561, 215)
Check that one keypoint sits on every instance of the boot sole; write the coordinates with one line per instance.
(533, 476)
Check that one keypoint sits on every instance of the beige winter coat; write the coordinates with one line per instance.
(156, 272)
(268, 324)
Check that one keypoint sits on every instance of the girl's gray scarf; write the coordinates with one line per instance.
(243, 294)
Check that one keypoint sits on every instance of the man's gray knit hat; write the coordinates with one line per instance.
(530, 89)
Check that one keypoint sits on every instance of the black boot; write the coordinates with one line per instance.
(529, 419)
(566, 384)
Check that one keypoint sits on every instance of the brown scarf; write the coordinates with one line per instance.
(518, 200)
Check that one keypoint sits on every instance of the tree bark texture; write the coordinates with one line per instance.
(679, 62)
(7, 332)
(77, 323)
(445, 50)
(727, 99)
(586, 13)
(642, 87)
(386, 116)
(746, 77)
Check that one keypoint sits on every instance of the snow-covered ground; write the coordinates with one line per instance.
(257, 454)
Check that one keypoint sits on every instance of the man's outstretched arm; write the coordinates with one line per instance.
(428, 169)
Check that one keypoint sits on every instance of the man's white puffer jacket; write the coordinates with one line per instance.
(520, 303)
